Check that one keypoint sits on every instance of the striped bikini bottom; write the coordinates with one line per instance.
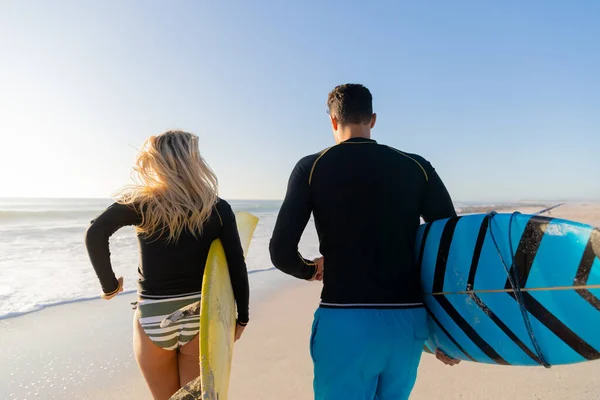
(151, 312)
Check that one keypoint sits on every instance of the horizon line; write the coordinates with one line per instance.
(483, 200)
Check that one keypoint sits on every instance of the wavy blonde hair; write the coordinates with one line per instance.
(174, 187)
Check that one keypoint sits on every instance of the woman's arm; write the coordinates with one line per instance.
(96, 241)
(235, 260)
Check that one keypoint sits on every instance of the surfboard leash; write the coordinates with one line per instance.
(548, 209)
(514, 283)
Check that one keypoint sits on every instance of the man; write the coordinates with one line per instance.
(367, 200)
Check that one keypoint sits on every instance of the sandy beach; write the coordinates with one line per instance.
(83, 351)
(273, 363)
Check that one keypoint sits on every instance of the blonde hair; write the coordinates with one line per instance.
(174, 187)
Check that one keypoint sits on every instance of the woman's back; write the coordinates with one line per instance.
(167, 268)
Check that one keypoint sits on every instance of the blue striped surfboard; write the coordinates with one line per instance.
(548, 313)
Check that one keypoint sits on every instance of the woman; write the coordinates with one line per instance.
(177, 215)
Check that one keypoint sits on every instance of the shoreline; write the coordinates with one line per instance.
(41, 307)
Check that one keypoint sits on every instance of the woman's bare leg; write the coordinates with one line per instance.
(189, 362)
(159, 366)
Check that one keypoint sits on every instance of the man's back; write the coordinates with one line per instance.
(368, 333)
(367, 200)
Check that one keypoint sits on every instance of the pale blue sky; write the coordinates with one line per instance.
(503, 97)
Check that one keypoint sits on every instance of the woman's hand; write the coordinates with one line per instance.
(239, 330)
(119, 289)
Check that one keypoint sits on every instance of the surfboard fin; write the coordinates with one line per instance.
(185, 312)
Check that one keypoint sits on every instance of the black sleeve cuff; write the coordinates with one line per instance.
(111, 287)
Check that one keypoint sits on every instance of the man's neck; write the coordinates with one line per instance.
(354, 131)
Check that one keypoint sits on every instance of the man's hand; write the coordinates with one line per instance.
(440, 355)
(239, 329)
(116, 292)
(319, 264)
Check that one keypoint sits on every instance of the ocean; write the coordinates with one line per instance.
(43, 260)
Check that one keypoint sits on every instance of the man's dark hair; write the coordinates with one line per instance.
(350, 103)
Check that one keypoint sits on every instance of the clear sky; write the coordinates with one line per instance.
(503, 97)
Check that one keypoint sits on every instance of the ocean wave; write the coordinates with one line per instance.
(91, 212)
(20, 215)
(254, 271)
(259, 207)
(38, 307)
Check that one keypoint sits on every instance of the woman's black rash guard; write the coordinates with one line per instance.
(171, 269)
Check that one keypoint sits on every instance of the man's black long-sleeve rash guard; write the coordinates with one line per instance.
(367, 200)
(171, 269)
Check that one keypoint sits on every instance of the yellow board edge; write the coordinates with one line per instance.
(218, 314)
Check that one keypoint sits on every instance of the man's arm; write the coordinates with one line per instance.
(291, 221)
(436, 202)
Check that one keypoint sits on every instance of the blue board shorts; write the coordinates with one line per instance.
(367, 354)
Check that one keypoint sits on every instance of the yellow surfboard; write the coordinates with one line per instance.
(217, 320)
(218, 315)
